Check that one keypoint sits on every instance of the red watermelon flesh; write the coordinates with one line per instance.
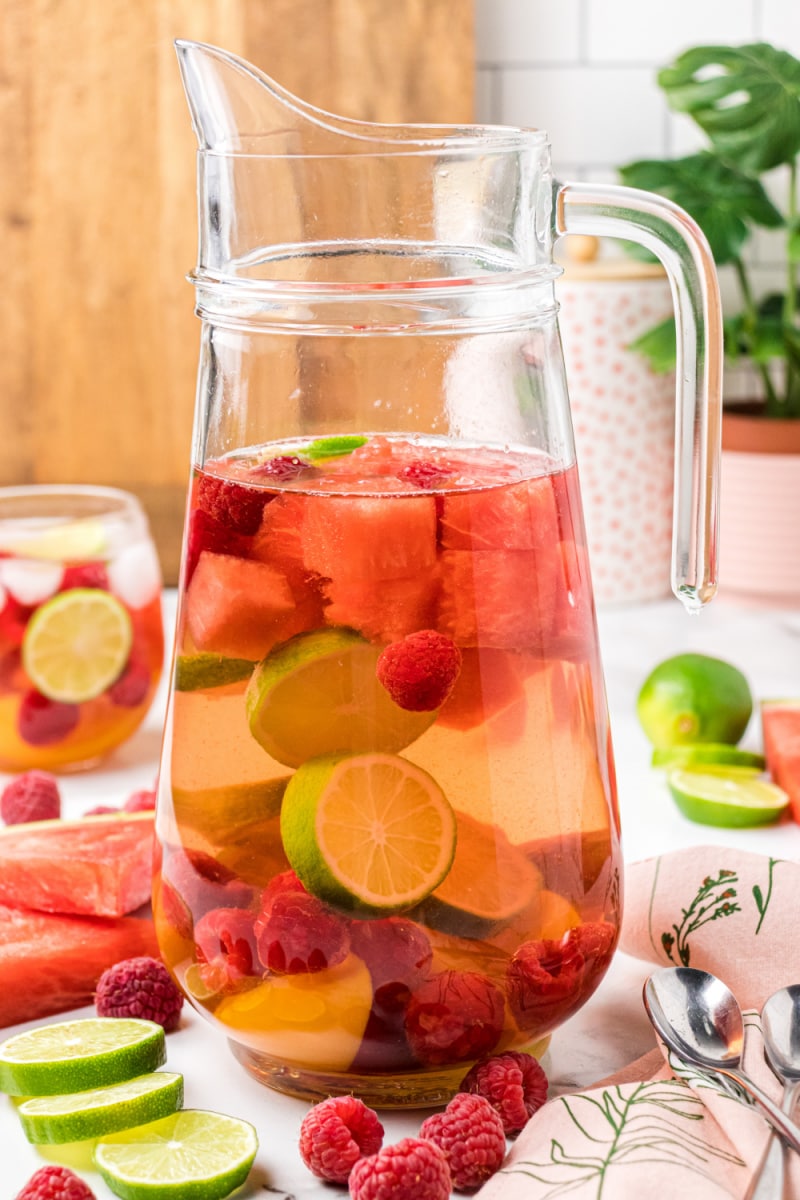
(780, 723)
(521, 516)
(51, 963)
(369, 538)
(97, 866)
(499, 599)
(238, 607)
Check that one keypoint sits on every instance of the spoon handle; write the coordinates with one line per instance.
(772, 1111)
(769, 1180)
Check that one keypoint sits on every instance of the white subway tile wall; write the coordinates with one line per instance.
(585, 70)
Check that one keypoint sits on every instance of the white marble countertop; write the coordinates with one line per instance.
(611, 1030)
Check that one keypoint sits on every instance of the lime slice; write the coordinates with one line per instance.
(709, 755)
(371, 833)
(194, 1155)
(730, 801)
(196, 671)
(75, 541)
(97, 1111)
(694, 698)
(318, 694)
(76, 644)
(68, 1056)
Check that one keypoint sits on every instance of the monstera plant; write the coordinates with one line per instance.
(746, 100)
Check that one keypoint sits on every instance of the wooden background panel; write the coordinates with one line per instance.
(97, 207)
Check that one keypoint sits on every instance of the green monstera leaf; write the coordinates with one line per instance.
(745, 98)
(723, 200)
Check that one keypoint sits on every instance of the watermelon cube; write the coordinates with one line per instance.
(521, 516)
(369, 538)
(50, 963)
(238, 607)
(780, 723)
(499, 599)
(96, 866)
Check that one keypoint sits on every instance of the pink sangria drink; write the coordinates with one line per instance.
(387, 823)
(81, 631)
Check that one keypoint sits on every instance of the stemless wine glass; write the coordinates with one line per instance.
(81, 630)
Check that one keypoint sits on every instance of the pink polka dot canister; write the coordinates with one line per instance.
(623, 415)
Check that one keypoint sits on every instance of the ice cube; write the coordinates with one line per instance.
(135, 575)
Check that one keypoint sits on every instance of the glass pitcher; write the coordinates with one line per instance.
(387, 824)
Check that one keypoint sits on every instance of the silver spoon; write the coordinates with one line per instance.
(780, 1026)
(698, 1017)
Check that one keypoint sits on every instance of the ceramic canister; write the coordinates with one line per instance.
(624, 420)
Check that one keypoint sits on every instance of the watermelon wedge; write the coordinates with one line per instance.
(51, 963)
(95, 866)
(780, 724)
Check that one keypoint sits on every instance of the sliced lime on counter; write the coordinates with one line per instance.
(206, 670)
(706, 755)
(193, 1154)
(69, 1056)
(76, 644)
(727, 801)
(97, 1111)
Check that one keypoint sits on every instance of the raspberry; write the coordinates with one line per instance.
(101, 810)
(425, 474)
(284, 468)
(42, 722)
(141, 801)
(454, 1016)
(201, 883)
(33, 796)
(283, 884)
(412, 1169)
(55, 1183)
(419, 672)
(226, 947)
(132, 686)
(396, 951)
(543, 981)
(513, 1083)
(298, 933)
(336, 1134)
(139, 987)
(87, 575)
(207, 534)
(470, 1133)
(232, 504)
(13, 620)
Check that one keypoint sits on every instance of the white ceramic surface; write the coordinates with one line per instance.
(612, 1029)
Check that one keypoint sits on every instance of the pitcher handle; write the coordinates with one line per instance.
(679, 243)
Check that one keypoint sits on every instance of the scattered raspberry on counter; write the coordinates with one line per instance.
(32, 796)
(141, 801)
(470, 1133)
(413, 1169)
(420, 671)
(336, 1134)
(513, 1083)
(55, 1183)
(139, 987)
(453, 1016)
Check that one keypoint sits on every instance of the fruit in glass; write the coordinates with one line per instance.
(387, 828)
(81, 631)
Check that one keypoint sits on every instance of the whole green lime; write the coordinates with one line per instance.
(694, 698)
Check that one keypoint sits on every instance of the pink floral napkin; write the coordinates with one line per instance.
(658, 1128)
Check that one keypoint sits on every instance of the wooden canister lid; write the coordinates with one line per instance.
(580, 257)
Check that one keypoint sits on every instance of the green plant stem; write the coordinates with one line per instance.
(792, 283)
(750, 321)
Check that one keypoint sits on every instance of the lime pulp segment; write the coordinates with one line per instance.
(94, 1112)
(69, 1056)
(193, 1155)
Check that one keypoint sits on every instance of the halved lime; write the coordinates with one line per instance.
(371, 833)
(694, 698)
(206, 670)
(194, 1155)
(708, 755)
(76, 644)
(318, 694)
(68, 1056)
(729, 801)
(97, 1111)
